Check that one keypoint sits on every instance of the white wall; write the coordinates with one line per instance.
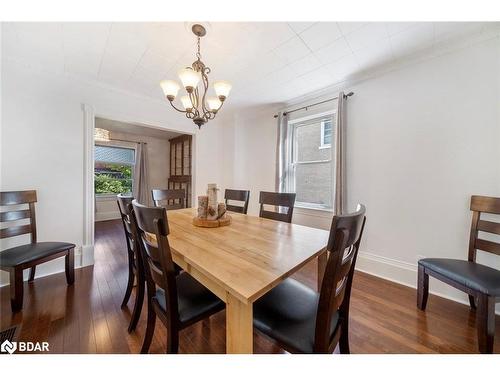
(421, 140)
(42, 145)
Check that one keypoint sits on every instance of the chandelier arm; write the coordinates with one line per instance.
(193, 96)
(204, 78)
(177, 109)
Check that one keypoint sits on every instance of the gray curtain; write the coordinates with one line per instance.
(141, 189)
(339, 198)
(282, 154)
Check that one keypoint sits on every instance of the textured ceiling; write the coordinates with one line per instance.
(265, 62)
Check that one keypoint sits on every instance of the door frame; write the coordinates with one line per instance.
(89, 115)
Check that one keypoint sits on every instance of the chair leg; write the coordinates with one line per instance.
(423, 288)
(485, 321)
(32, 274)
(172, 341)
(139, 299)
(69, 266)
(472, 302)
(150, 329)
(130, 285)
(16, 289)
(344, 338)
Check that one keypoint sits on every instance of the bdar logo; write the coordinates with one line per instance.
(8, 347)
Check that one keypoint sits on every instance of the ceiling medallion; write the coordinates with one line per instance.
(197, 106)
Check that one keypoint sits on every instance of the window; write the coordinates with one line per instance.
(113, 170)
(326, 133)
(310, 160)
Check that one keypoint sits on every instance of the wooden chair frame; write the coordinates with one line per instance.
(135, 267)
(286, 200)
(237, 195)
(29, 197)
(176, 196)
(482, 303)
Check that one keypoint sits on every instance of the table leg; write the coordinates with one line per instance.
(322, 260)
(239, 326)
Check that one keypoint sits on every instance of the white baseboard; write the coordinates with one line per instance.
(406, 274)
(87, 255)
(103, 216)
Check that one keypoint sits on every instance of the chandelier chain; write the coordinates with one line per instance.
(198, 54)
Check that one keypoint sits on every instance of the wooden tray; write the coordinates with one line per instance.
(211, 223)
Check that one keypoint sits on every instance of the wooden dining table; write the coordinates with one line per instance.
(241, 262)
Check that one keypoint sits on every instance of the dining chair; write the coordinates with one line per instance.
(178, 300)
(237, 195)
(480, 282)
(280, 200)
(19, 258)
(303, 321)
(171, 199)
(135, 268)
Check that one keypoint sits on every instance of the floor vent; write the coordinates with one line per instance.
(8, 334)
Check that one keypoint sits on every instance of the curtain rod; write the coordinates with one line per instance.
(312, 105)
(124, 140)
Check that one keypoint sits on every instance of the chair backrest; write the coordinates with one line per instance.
(342, 247)
(281, 200)
(152, 232)
(125, 207)
(17, 198)
(237, 195)
(478, 205)
(171, 199)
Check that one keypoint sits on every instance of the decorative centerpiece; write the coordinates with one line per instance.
(211, 214)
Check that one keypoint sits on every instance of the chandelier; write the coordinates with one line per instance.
(197, 105)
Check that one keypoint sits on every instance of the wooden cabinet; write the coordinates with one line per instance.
(181, 165)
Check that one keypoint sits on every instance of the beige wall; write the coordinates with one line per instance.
(158, 164)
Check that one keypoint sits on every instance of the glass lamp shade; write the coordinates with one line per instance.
(214, 104)
(186, 103)
(170, 88)
(189, 78)
(222, 89)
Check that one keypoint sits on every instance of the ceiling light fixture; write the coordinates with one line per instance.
(197, 106)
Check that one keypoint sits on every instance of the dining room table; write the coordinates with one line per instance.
(241, 262)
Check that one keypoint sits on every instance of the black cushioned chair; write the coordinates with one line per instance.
(135, 268)
(303, 321)
(179, 301)
(480, 282)
(237, 195)
(19, 258)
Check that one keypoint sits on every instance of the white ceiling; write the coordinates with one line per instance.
(265, 62)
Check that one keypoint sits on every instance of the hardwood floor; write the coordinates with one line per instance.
(87, 318)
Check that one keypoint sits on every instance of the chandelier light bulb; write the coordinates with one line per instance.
(186, 103)
(189, 78)
(170, 89)
(214, 104)
(222, 89)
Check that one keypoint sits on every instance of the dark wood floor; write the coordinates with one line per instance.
(87, 318)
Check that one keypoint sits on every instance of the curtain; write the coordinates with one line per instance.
(141, 189)
(339, 190)
(281, 155)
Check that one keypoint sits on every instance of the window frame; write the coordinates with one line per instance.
(103, 196)
(291, 163)
(322, 135)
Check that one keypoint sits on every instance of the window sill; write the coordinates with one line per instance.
(314, 211)
(105, 197)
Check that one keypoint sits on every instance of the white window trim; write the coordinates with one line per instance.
(292, 160)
